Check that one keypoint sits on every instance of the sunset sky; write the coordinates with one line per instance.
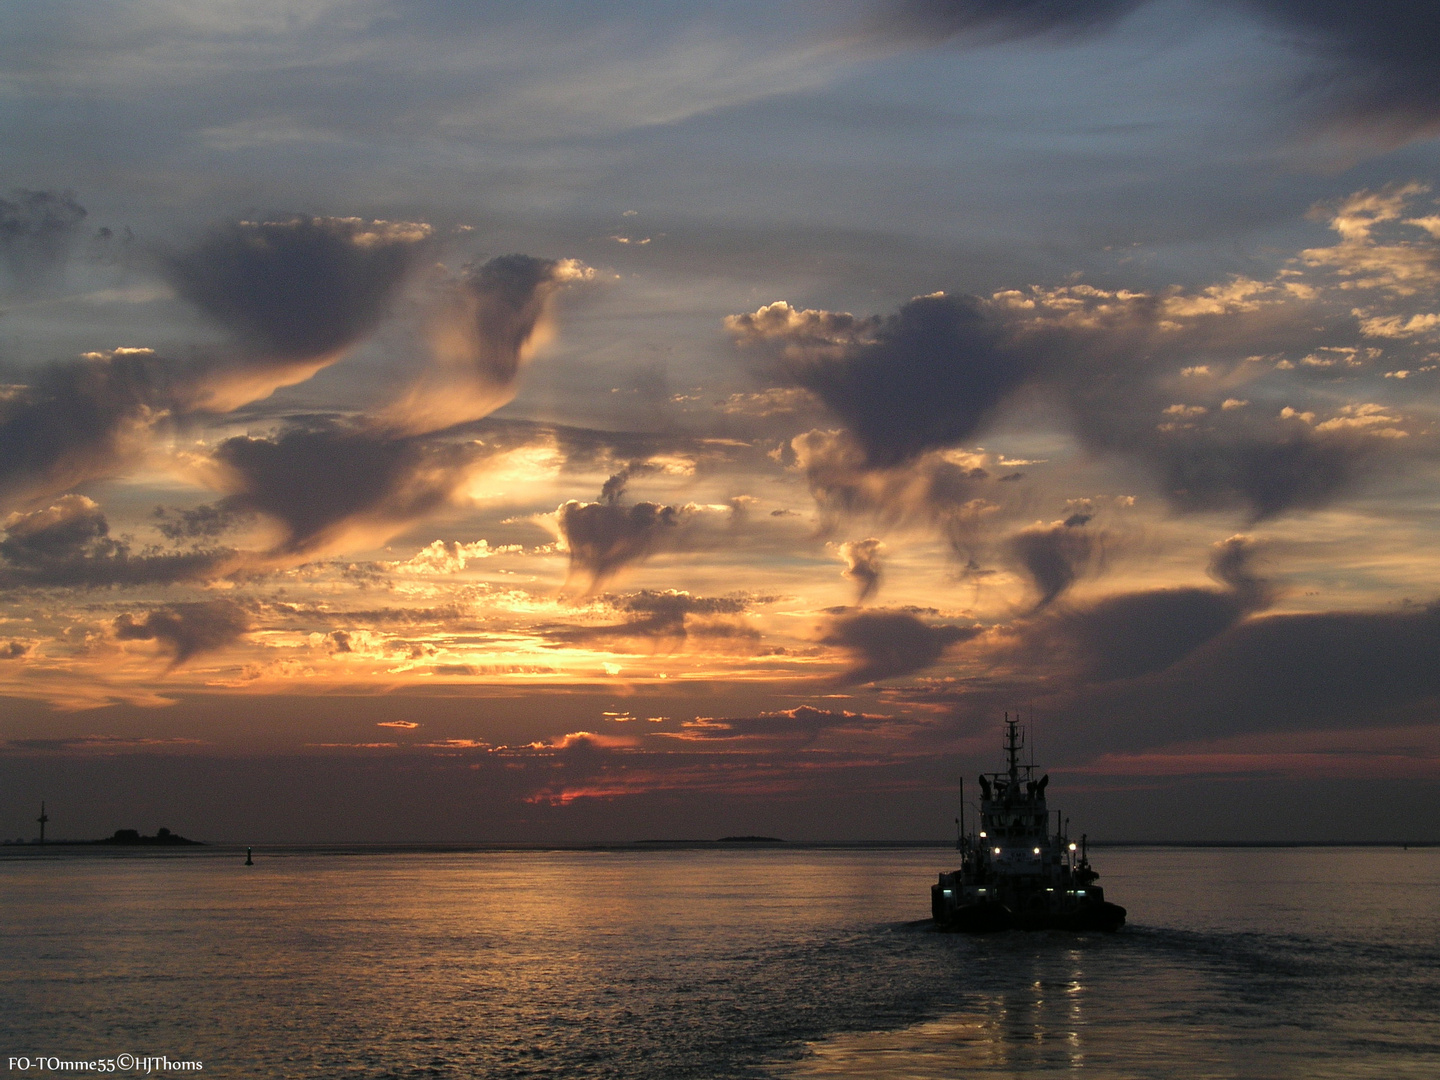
(545, 421)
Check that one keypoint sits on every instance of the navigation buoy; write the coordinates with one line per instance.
(248, 860)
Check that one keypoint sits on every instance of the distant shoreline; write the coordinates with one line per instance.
(263, 849)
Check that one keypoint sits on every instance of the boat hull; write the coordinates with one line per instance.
(990, 917)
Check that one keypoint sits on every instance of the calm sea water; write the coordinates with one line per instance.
(716, 963)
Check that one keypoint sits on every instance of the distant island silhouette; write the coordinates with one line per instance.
(751, 840)
(722, 840)
(162, 838)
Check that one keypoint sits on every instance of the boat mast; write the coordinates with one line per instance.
(961, 843)
(1013, 743)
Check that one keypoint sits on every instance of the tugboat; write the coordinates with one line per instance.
(1016, 874)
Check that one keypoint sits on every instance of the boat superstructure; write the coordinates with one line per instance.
(1020, 870)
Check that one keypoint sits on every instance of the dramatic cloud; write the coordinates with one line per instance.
(489, 323)
(295, 293)
(606, 536)
(950, 491)
(930, 377)
(1054, 555)
(999, 20)
(205, 521)
(671, 614)
(69, 544)
(660, 611)
(187, 629)
(74, 525)
(37, 229)
(886, 644)
(1275, 673)
(782, 729)
(81, 419)
(300, 288)
(1381, 59)
(1233, 564)
(923, 378)
(1131, 634)
(1376, 60)
(1267, 473)
(862, 565)
(331, 484)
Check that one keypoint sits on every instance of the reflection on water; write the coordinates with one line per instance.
(1241, 964)
(709, 963)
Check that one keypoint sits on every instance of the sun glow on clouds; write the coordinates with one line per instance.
(716, 541)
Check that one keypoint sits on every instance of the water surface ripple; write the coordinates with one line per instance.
(716, 963)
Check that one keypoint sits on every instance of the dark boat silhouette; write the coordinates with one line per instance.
(1015, 874)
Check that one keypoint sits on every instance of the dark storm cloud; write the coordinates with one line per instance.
(1233, 564)
(604, 537)
(81, 419)
(452, 615)
(1131, 634)
(1379, 60)
(37, 229)
(1275, 673)
(952, 496)
(187, 629)
(301, 288)
(937, 20)
(508, 296)
(671, 607)
(930, 376)
(1264, 466)
(69, 544)
(863, 565)
(885, 644)
(922, 378)
(1054, 555)
(297, 291)
(486, 325)
(205, 521)
(74, 525)
(325, 482)
(1382, 57)
(782, 729)
(615, 483)
(668, 614)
